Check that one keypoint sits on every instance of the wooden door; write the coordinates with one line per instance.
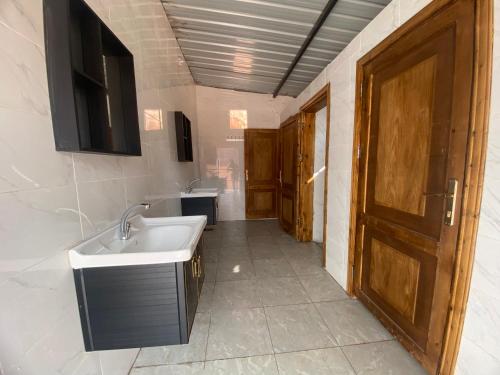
(414, 107)
(289, 144)
(261, 171)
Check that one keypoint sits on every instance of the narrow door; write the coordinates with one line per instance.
(288, 174)
(261, 169)
(414, 121)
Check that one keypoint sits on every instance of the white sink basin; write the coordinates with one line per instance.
(201, 192)
(152, 241)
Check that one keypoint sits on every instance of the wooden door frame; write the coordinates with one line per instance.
(319, 101)
(288, 121)
(474, 171)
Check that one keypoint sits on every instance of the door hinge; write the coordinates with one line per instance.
(299, 157)
(359, 151)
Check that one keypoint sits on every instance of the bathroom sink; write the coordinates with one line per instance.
(201, 192)
(152, 241)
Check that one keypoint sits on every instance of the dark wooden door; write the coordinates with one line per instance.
(414, 131)
(289, 144)
(261, 169)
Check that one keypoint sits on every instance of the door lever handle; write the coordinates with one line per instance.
(246, 174)
(451, 201)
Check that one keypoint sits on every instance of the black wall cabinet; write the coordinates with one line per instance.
(184, 140)
(91, 82)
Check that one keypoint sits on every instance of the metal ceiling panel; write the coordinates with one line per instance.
(250, 44)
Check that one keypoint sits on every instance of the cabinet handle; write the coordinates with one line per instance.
(193, 266)
(198, 266)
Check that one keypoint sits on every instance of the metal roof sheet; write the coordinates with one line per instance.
(249, 44)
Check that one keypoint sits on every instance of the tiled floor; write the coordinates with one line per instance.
(267, 307)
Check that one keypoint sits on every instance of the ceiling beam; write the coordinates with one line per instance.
(317, 25)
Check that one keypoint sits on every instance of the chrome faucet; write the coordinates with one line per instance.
(189, 186)
(124, 224)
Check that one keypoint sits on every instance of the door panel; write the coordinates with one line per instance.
(288, 182)
(414, 120)
(261, 172)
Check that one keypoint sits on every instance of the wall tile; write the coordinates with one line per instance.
(35, 225)
(25, 17)
(101, 204)
(37, 300)
(93, 167)
(408, 8)
(23, 138)
(386, 22)
(23, 74)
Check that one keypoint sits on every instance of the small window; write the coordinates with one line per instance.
(152, 120)
(238, 119)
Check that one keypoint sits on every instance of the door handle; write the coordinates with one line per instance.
(246, 174)
(451, 201)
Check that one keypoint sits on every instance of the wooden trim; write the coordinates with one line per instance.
(473, 183)
(321, 100)
(289, 120)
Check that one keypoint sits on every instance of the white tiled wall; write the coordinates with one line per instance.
(50, 200)
(221, 148)
(480, 350)
(319, 174)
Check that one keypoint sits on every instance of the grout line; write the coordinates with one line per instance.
(208, 334)
(326, 324)
(348, 361)
(77, 195)
(269, 331)
(133, 363)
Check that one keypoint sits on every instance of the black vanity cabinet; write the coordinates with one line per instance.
(139, 306)
(194, 206)
(194, 276)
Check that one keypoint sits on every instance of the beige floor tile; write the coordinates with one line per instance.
(239, 294)
(175, 354)
(259, 365)
(266, 268)
(382, 358)
(281, 291)
(297, 327)
(329, 361)
(185, 369)
(238, 333)
(322, 287)
(351, 323)
(228, 270)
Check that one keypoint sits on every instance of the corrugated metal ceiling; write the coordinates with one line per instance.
(249, 44)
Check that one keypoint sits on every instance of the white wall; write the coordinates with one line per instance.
(319, 174)
(221, 148)
(50, 200)
(480, 350)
